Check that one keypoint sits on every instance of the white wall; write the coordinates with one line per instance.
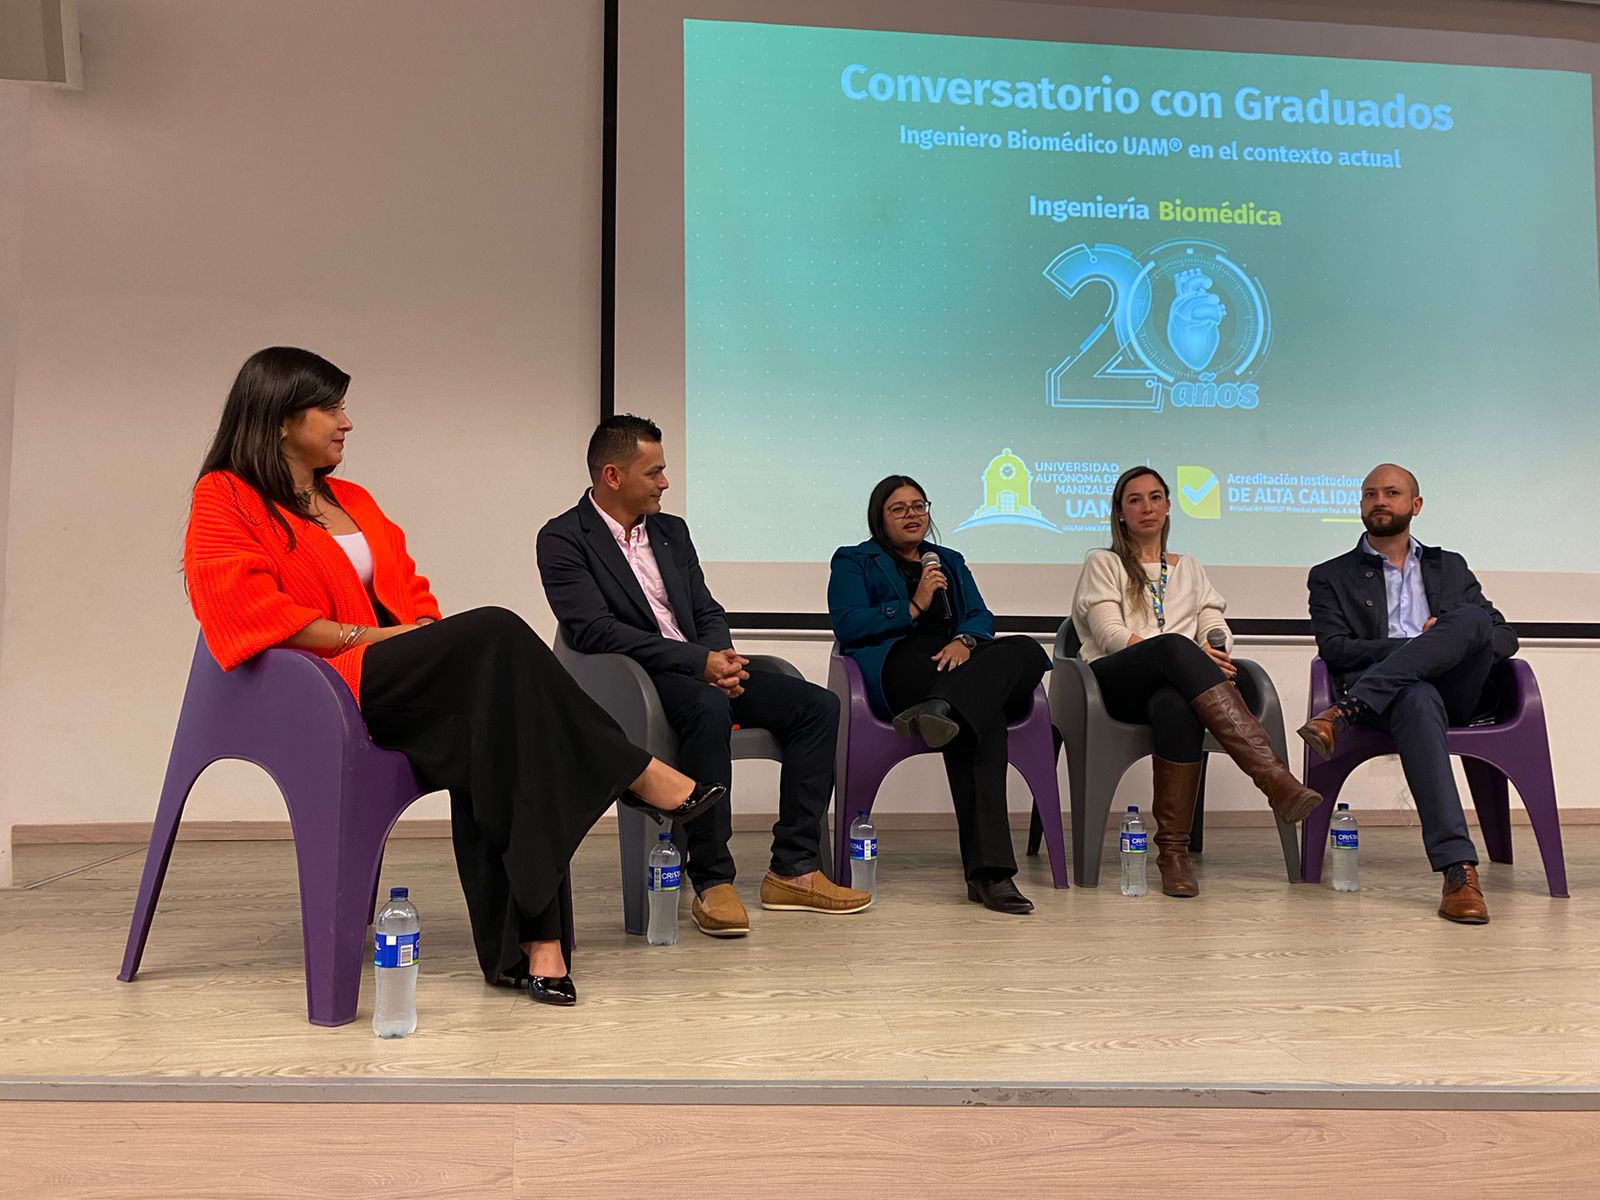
(13, 115)
(409, 188)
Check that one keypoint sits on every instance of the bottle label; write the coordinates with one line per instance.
(1344, 839)
(1134, 843)
(664, 879)
(863, 849)
(396, 949)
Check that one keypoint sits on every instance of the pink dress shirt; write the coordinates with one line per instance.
(635, 544)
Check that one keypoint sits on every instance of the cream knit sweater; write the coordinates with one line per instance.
(1105, 619)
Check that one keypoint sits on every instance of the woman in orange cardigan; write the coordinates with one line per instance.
(280, 553)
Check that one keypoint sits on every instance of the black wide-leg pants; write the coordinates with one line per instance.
(483, 709)
(992, 688)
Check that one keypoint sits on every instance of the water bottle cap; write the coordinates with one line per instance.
(1341, 806)
(664, 836)
(399, 893)
(1133, 808)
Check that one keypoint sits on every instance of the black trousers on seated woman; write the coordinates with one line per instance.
(993, 687)
(482, 709)
(1152, 682)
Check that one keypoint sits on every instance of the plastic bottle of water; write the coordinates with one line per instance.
(662, 872)
(1133, 854)
(396, 946)
(864, 855)
(1346, 844)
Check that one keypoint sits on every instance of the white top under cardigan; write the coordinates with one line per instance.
(359, 552)
(1105, 619)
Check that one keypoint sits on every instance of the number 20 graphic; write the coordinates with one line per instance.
(1118, 379)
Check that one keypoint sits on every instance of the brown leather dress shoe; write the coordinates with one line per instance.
(718, 912)
(1463, 900)
(822, 896)
(1322, 730)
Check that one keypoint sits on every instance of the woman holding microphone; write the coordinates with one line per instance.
(909, 612)
(1154, 636)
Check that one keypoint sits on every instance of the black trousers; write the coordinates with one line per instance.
(805, 720)
(1152, 682)
(1433, 681)
(481, 708)
(992, 688)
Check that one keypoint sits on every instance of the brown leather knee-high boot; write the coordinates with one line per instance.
(1176, 786)
(1223, 711)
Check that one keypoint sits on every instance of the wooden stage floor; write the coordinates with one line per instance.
(1255, 983)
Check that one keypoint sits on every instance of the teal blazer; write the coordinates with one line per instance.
(870, 609)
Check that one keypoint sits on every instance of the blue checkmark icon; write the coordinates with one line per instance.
(1195, 495)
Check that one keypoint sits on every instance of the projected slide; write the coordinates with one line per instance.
(1013, 269)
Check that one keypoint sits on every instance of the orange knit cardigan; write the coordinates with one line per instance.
(250, 592)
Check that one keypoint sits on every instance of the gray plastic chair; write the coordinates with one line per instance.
(623, 688)
(1100, 750)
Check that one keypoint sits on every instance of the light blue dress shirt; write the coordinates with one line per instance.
(1408, 602)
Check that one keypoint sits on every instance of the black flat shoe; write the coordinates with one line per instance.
(546, 989)
(934, 721)
(701, 801)
(999, 894)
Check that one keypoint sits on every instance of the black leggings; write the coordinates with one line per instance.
(1152, 682)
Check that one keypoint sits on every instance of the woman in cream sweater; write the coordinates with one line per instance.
(1144, 614)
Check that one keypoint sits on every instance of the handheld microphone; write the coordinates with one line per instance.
(941, 602)
(1217, 639)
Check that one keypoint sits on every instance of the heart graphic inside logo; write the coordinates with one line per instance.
(1193, 320)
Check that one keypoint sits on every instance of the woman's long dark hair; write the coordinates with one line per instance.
(887, 487)
(274, 385)
(1122, 545)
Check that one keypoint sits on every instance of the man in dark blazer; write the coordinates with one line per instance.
(1409, 639)
(622, 577)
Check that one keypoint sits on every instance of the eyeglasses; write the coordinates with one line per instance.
(917, 508)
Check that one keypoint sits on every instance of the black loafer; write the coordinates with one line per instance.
(702, 800)
(934, 721)
(1001, 895)
(546, 989)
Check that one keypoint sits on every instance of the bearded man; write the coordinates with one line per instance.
(1409, 640)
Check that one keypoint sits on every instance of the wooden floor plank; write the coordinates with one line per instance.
(1253, 982)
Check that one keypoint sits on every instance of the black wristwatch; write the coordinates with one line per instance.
(967, 640)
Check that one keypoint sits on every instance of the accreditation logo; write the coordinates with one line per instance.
(1199, 493)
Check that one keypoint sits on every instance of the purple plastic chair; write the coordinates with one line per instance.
(290, 714)
(1515, 749)
(869, 748)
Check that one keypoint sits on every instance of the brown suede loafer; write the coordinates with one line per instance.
(1463, 900)
(718, 912)
(822, 896)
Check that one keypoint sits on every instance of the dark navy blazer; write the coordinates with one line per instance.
(870, 608)
(1350, 607)
(595, 595)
